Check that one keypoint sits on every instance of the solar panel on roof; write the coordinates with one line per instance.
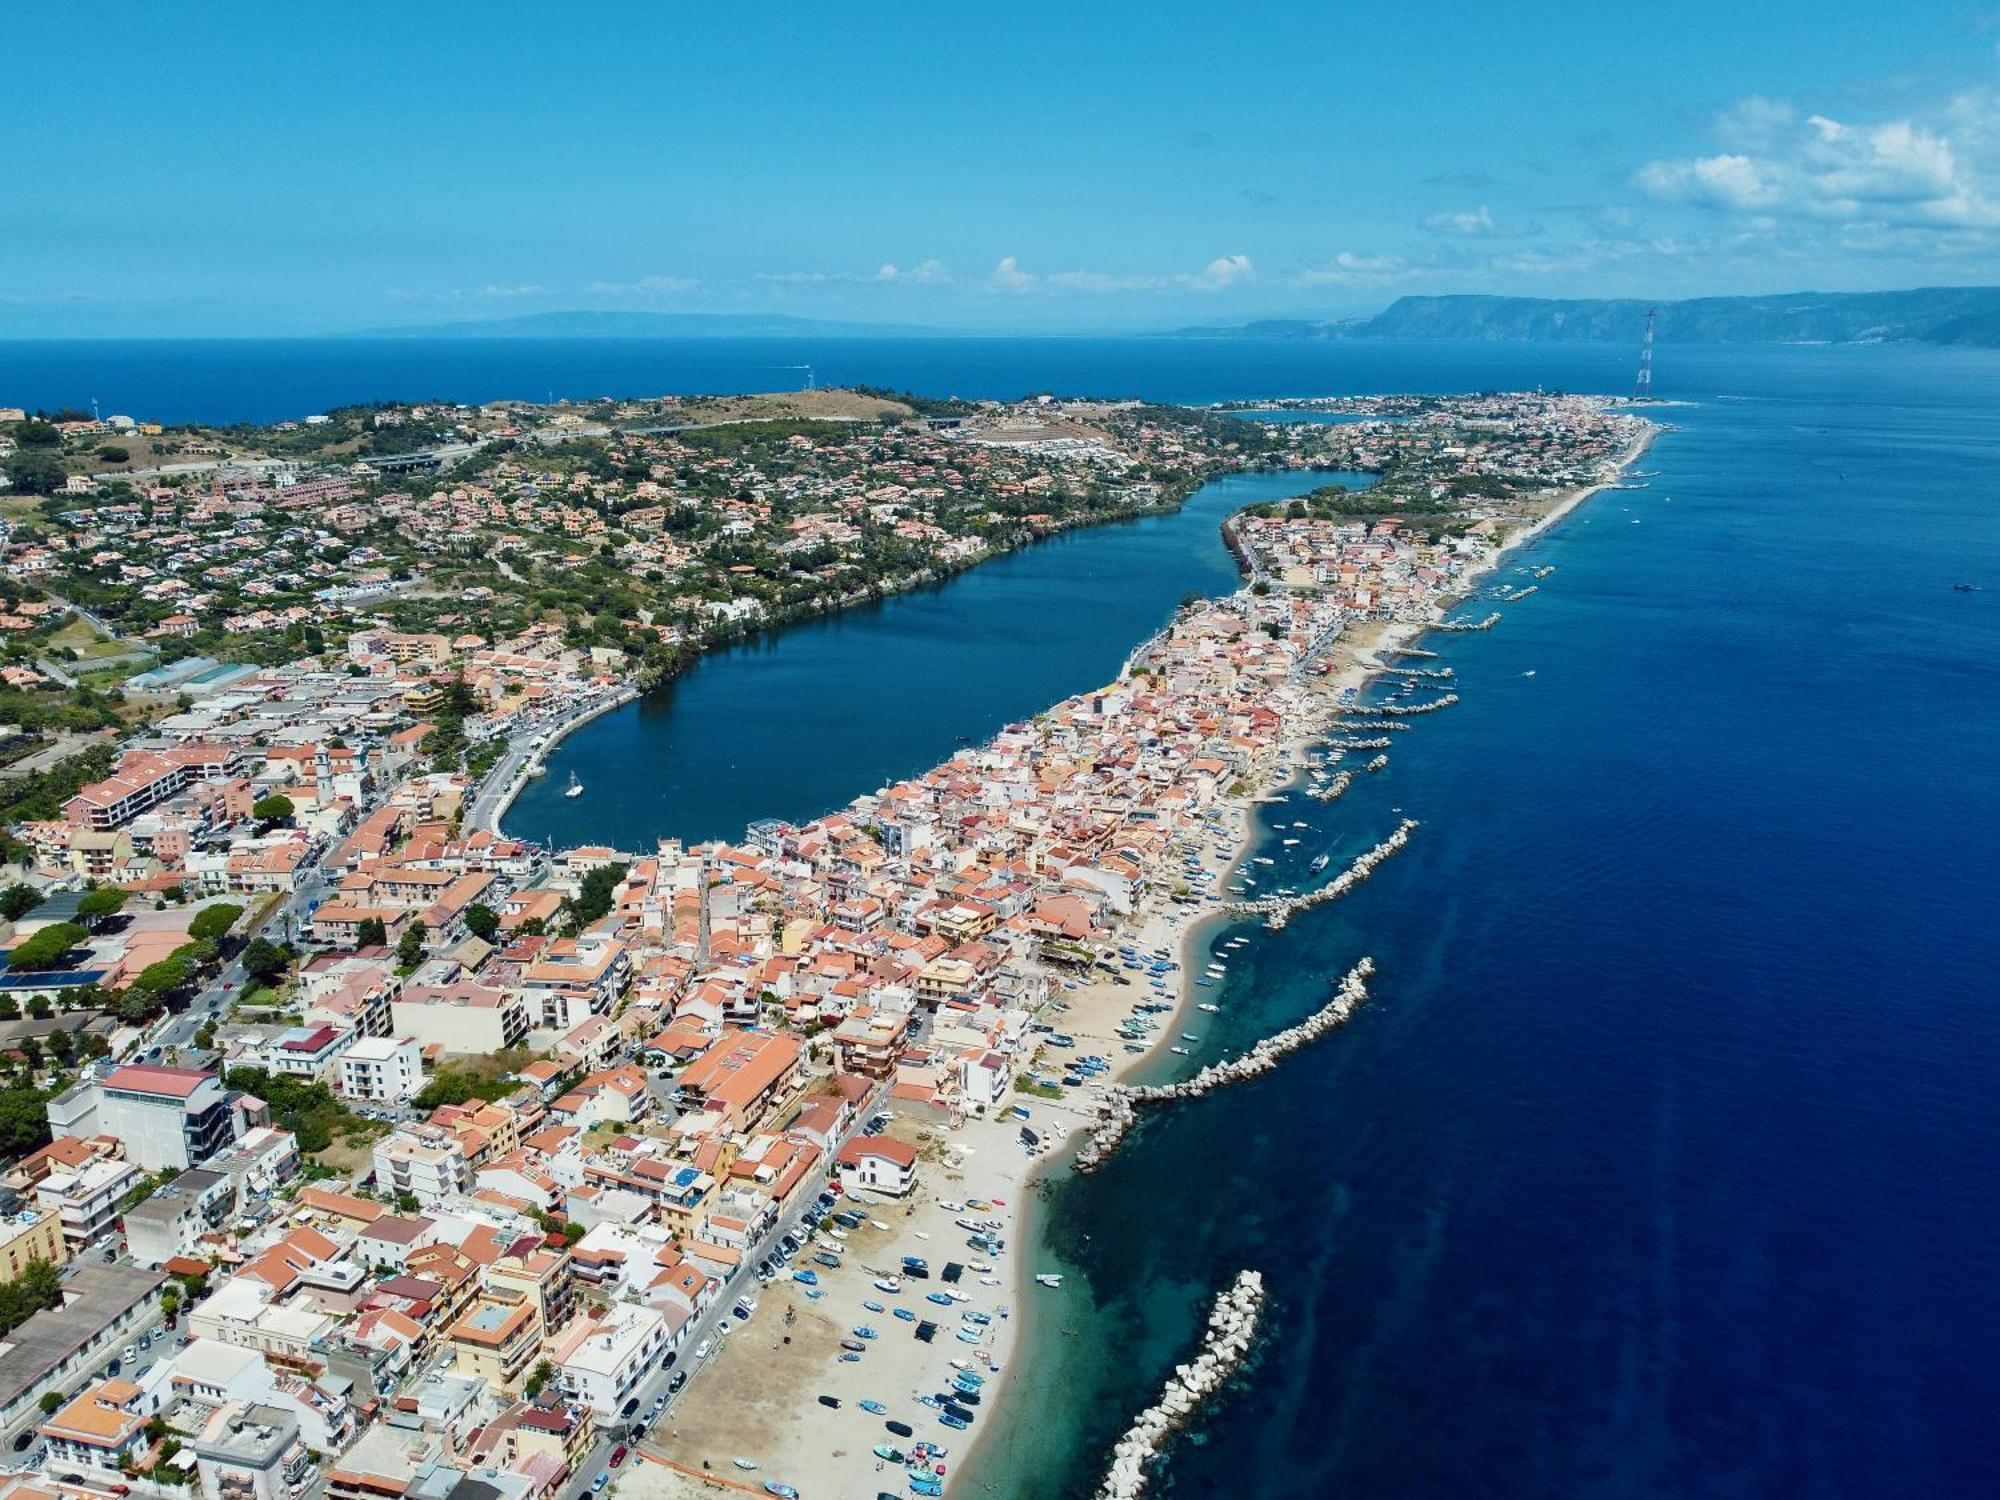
(51, 978)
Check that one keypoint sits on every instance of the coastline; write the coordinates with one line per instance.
(764, 1405)
(555, 734)
(1364, 662)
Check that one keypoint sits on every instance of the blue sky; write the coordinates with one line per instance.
(1092, 166)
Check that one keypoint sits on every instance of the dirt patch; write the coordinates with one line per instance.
(749, 1396)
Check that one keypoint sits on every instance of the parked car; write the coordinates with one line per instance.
(618, 1455)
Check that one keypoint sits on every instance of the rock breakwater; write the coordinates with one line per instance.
(1225, 1343)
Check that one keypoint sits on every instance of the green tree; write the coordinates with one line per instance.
(52, 1402)
(276, 808)
(24, 1120)
(213, 922)
(482, 921)
(594, 895)
(410, 946)
(96, 906)
(37, 434)
(37, 1287)
(33, 472)
(39, 1007)
(111, 453)
(408, 1203)
(47, 948)
(17, 900)
(371, 933)
(543, 1374)
(264, 961)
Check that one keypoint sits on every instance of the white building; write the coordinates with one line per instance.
(167, 1117)
(86, 1200)
(306, 1051)
(878, 1164)
(251, 1451)
(384, 1069)
(424, 1160)
(601, 1360)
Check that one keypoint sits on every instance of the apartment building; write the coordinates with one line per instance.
(382, 1069)
(85, 1200)
(31, 1234)
(251, 1451)
(601, 1359)
(167, 1117)
(498, 1342)
(424, 1160)
(465, 1018)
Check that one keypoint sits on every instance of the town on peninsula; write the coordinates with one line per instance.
(365, 1150)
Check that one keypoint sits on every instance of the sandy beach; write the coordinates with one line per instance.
(760, 1399)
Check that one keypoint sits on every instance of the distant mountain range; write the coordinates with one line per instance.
(1925, 315)
(650, 325)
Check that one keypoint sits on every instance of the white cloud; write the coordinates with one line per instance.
(1222, 272)
(645, 286)
(1229, 270)
(1786, 164)
(1351, 269)
(1473, 223)
(926, 273)
(1009, 277)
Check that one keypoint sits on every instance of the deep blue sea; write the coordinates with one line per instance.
(1661, 1163)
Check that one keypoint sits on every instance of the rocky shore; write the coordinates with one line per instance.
(1225, 1343)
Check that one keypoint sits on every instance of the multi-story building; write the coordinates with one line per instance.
(32, 1234)
(99, 1428)
(498, 1342)
(600, 1359)
(546, 1277)
(167, 1117)
(425, 1160)
(103, 1305)
(306, 1051)
(466, 1018)
(85, 1201)
(176, 1215)
(383, 1069)
(251, 1451)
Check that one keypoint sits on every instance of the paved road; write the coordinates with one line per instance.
(703, 1329)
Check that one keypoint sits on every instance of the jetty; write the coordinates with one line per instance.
(1463, 625)
(1118, 1109)
(1381, 743)
(1332, 790)
(1278, 910)
(1404, 710)
(1365, 726)
(1225, 1344)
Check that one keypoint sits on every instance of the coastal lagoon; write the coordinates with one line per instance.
(1659, 1162)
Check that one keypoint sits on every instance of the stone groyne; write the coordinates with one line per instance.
(1332, 790)
(1405, 710)
(1118, 1110)
(1463, 625)
(1379, 763)
(1225, 1343)
(1278, 910)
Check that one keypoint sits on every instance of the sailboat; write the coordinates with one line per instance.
(575, 787)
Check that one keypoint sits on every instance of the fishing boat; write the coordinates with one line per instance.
(1319, 862)
(575, 788)
(744, 1463)
(1208, 1006)
(1047, 1278)
(1180, 1052)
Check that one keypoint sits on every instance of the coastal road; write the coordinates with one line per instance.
(703, 1327)
(502, 781)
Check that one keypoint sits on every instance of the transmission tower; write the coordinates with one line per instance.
(1642, 388)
